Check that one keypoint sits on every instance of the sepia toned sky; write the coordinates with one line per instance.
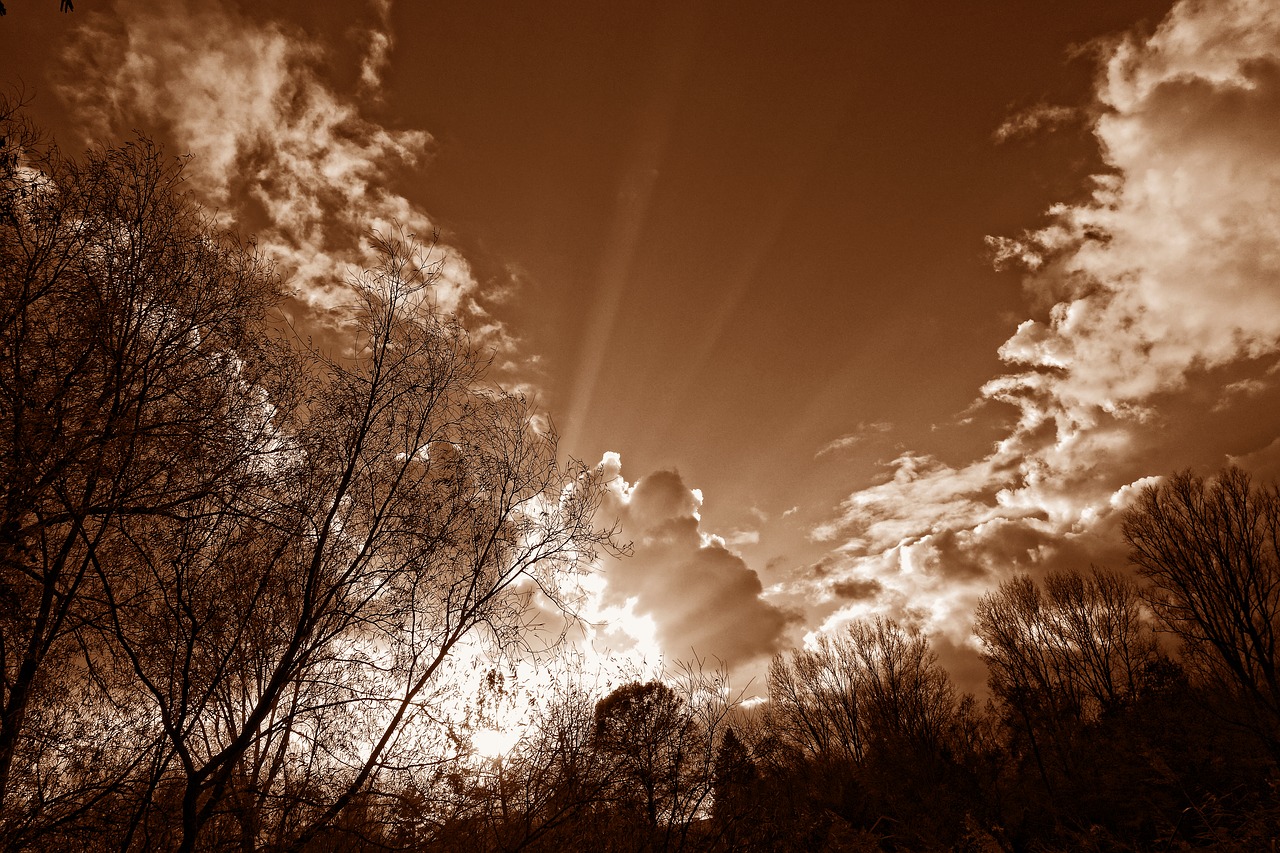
(866, 305)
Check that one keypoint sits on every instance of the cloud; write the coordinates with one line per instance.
(700, 595)
(278, 148)
(859, 435)
(855, 588)
(377, 57)
(1033, 120)
(938, 495)
(1250, 387)
(1157, 297)
(743, 537)
(1263, 462)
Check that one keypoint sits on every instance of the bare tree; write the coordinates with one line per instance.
(235, 570)
(130, 342)
(908, 697)
(816, 700)
(546, 791)
(1062, 653)
(291, 633)
(1077, 641)
(875, 683)
(1211, 553)
(872, 732)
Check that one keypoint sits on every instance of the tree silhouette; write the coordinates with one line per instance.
(235, 568)
(644, 726)
(734, 778)
(129, 345)
(876, 682)
(871, 730)
(1061, 653)
(405, 508)
(1211, 553)
(544, 794)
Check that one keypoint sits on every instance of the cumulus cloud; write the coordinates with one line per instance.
(700, 596)
(1162, 288)
(278, 148)
(1173, 265)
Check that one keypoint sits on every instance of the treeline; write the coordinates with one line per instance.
(1097, 737)
(241, 575)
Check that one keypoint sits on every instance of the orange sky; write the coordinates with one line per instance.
(748, 252)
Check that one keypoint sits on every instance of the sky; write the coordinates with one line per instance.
(864, 306)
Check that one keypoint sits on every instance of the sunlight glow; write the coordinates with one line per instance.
(492, 743)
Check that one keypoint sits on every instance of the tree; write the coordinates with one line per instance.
(875, 732)
(131, 348)
(1077, 642)
(815, 700)
(1061, 653)
(549, 790)
(664, 740)
(875, 683)
(908, 697)
(734, 777)
(1211, 554)
(235, 570)
(645, 728)
(291, 636)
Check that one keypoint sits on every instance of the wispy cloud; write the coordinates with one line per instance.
(1250, 387)
(1036, 119)
(278, 148)
(1164, 278)
(857, 436)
